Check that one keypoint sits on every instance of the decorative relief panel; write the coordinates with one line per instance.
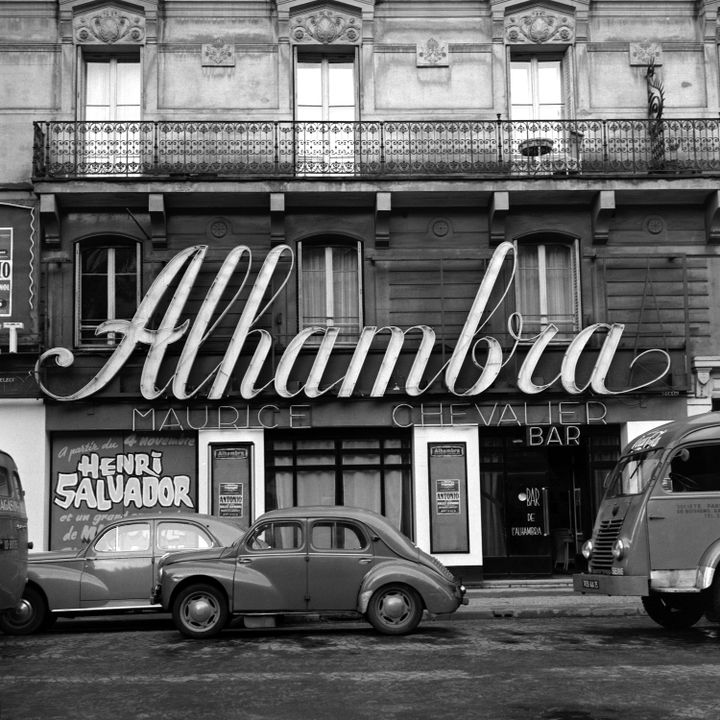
(646, 53)
(218, 54)
(433, 54)
(540, 26)
(326, 25)
(109, 26)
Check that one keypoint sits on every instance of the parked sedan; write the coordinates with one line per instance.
(113, 573)
(320, 560)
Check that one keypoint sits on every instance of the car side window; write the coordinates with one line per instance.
(134, 537)
(4, 482)
(694, 469)
(181, 536)
(337, 535)
(276, 536)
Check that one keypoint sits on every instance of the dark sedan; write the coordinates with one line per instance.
(114, 573)
(321, 560)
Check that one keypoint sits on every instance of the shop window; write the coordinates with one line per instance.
(547, 287)
(111, 138)
(330, 288)
(362, 471)
(108, 288)
(325, 108)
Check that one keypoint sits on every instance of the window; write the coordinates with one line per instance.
(181, 536)
(330, 289)
(329, 535)
(536, 89)
(360, 471)
(694, 469)
(127, 538)
(112, 101)
(547, 287)
(276, 536)
(108, 288)
(325, 108)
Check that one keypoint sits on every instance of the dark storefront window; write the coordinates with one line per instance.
(355, 470)
(538, 503)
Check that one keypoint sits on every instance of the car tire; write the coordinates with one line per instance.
(200, 611)
(677, 613)
(28, 616)
(395, 610)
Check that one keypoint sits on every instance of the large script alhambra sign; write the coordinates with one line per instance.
(182, 272)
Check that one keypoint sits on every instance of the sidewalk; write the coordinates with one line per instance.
(548, 597)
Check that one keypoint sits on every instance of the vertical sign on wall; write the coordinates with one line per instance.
(6, 271)
(448, 497)
(230, 468)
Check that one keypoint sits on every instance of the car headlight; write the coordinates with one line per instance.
(619, 549)
(587, 549)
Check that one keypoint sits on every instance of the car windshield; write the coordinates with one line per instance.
(633, 473)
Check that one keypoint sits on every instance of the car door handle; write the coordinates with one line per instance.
(365, 561)
(656, 517)
(244, 561)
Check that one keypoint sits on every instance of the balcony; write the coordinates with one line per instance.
(375, 149)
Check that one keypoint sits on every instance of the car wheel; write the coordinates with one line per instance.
(200, 611)
(674, 613)
(28, 616)
(395, 610)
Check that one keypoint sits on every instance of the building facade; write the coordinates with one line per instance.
(440, 260)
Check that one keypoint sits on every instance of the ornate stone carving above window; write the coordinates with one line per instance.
(218, 54)
(434, 53)
(540, 26)
(109, 26)
(326, 26)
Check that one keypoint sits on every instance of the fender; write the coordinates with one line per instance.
(437, 597)
(707, 565)
(176, 575)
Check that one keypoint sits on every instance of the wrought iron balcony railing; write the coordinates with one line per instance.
(263, 149)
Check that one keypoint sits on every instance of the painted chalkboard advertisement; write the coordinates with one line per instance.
(101, 478)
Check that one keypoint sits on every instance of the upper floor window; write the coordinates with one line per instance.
(325, 108)
(330, 287)
(536, 89)
(112, 88)
(547, 287)
(108, 288)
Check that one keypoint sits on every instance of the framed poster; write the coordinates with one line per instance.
(231, 480)
(449, 530)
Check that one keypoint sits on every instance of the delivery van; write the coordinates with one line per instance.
(13, 534)
(657, 531)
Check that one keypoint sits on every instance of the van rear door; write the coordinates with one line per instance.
(13, 534)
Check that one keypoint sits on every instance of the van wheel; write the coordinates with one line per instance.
(395, 610)
(678, 612)
(28, 616)
(200, 611)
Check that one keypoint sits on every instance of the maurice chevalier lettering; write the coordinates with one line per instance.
(137, 332)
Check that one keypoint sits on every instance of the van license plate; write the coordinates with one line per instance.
(591, 584)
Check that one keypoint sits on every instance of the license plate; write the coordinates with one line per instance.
(591, 584)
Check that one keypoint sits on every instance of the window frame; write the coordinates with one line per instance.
(331, 319)
(545, 318)
(108, 340)
(534, 61)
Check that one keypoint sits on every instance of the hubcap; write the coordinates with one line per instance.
(394, 607)
(22, 612)
(200, 610)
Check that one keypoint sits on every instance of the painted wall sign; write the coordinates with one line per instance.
(473, 347)
(98, 479)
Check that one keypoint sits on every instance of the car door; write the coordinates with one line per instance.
(271, 568)
(339, 557)
(13, 534)
(118, 568)
(684, 510)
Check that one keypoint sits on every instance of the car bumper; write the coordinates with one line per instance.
(592, 584)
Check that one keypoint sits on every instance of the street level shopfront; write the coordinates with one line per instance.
(490, 488)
